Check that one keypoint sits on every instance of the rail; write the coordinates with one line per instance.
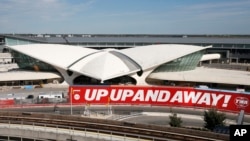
(142, 131)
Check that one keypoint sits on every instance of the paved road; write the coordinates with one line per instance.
(162, 119)
(29, 91)
(4, 93)
(145, 115)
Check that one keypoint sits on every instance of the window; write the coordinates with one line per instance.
(188, 62)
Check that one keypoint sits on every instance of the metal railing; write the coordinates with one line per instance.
(108, 127)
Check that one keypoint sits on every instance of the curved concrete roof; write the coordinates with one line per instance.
(210, 56)
(27, 75)
(209, 75)
(105, 64)
(108, 63)
(155, 55)
(55, 54)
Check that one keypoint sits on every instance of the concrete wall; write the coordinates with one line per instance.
(43, 133)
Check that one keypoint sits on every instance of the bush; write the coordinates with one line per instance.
(213, 118)
(174, 120)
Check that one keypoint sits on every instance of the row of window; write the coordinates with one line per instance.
(29, 63)
(10, 41)
(188, 62)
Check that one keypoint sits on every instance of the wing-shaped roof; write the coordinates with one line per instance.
(27, 75)
(155, 55)
(105, 64)
(55, 54)
(209, 75)
(108, 63)
(210, 56)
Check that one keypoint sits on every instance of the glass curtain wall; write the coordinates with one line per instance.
(185, 63)
(29, 63)
(12, 42)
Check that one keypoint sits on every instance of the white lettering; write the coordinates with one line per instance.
(139, 96)
(88, 96)
(152, 95)
(216, 98)
(239, 101)
(115, 96)
(177, 97)
(127, 93)
(163, 96)
(226, 100)
(101, 93)
(240, 132)
(191, 95)
(205, 98)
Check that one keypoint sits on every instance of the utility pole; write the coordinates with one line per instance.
(71, 93)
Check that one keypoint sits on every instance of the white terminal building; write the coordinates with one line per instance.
(40, 59)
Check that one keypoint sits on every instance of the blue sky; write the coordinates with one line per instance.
(125, 16)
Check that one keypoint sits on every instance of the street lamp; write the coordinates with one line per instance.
(71, 93)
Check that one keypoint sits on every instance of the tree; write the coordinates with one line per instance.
(174, 120)
(213, 118)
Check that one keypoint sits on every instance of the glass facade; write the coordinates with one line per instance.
(185, 63)
(29, 63)
(12, 42)
(85, 80)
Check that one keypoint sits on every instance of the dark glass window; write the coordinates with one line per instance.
(188, 62)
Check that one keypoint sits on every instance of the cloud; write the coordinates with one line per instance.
(111, 16)
(39, 15)
(41, 10)
(217, 10)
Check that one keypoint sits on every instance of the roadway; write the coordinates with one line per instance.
(35, 91)
(74, 123)
(135, 114)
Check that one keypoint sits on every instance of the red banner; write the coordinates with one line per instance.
(7, 102)
(161, 96)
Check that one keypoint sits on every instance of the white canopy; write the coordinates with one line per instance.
(27, 75)
(108, 63)
(105, 64)
(155, 55)
(57, 55)
(209, 75)
(210, 56)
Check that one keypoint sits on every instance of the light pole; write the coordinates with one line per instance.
(71, 93)
(74, 93)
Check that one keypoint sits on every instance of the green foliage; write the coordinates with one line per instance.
(174, 120)
(213, 118)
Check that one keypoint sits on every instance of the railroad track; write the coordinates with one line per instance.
(142, 131)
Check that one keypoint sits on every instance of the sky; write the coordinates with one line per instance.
(125, 16)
